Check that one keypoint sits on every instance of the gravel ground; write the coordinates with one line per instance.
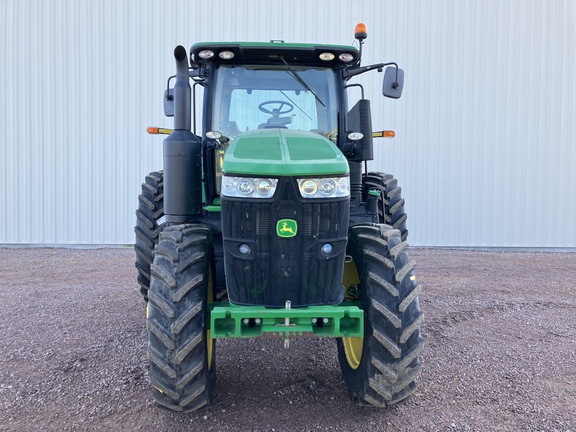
(500, 352)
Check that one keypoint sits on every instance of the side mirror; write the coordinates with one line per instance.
(393, 82)
(169, 102)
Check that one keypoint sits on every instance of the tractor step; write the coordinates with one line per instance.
(232, 321)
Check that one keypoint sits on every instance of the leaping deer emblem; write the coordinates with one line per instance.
(286, 229)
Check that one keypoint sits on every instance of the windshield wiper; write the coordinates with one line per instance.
(300, 80)
(295, 104)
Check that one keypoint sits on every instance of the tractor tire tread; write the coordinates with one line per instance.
(148, 215)
(177, 330)
(391, 204)
(390, 360)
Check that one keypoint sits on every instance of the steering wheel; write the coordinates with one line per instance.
(277, 111)
(333, 136)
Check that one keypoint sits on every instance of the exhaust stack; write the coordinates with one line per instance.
(182, 91)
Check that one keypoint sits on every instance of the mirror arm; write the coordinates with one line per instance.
(348, 73)
(192, 73)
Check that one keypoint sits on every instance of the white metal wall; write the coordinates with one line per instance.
(485, 137)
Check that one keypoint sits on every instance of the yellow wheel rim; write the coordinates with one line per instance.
(353, 351)
(209, 348)
(352, 346)
(209, 340)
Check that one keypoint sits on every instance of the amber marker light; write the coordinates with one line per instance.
(384, 134)
(153, 130)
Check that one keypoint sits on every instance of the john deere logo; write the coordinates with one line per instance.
(286, 228)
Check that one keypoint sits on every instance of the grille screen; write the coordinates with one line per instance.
(278, 269)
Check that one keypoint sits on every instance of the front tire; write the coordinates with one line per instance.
(180, 350)
(381, 368)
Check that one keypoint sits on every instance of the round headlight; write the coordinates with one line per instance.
(308, 187)
(264, 187)
(343, 185)
(246, 186)
(228, 183)
(327, 186)
(206, 54)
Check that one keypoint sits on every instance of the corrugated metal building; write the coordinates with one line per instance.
(485, 137)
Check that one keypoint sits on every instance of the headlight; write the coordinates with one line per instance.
(327, 187)
(248, 187)
(206, 54)
(327, 56)
(226, 55)
(346, 57)
(308, 187)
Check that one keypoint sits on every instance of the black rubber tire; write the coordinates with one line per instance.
(391, 204)
(149, 224)
(389, 362)
(181, 353)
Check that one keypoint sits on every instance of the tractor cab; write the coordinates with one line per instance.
(250, 86)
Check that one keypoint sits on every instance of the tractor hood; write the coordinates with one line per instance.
(283, 152)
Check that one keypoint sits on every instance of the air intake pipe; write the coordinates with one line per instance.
(182, 153)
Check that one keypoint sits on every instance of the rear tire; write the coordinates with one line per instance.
(381, 368)
(180, 350)
(391, 204)
(149, 225)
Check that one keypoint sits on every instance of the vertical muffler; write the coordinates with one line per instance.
(182, 153)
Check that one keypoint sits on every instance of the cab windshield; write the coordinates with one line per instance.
(261, 97)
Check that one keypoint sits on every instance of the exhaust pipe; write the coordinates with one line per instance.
(182, 153)
(182, 91)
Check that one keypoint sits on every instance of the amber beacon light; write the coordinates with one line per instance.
(360, 32)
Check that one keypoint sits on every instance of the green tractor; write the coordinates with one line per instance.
(267, 222)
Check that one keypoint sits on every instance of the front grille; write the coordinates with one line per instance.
(279, 269)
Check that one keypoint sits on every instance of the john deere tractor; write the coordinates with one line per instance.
(266, 222)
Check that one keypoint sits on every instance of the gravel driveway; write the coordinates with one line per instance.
(500, 352)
